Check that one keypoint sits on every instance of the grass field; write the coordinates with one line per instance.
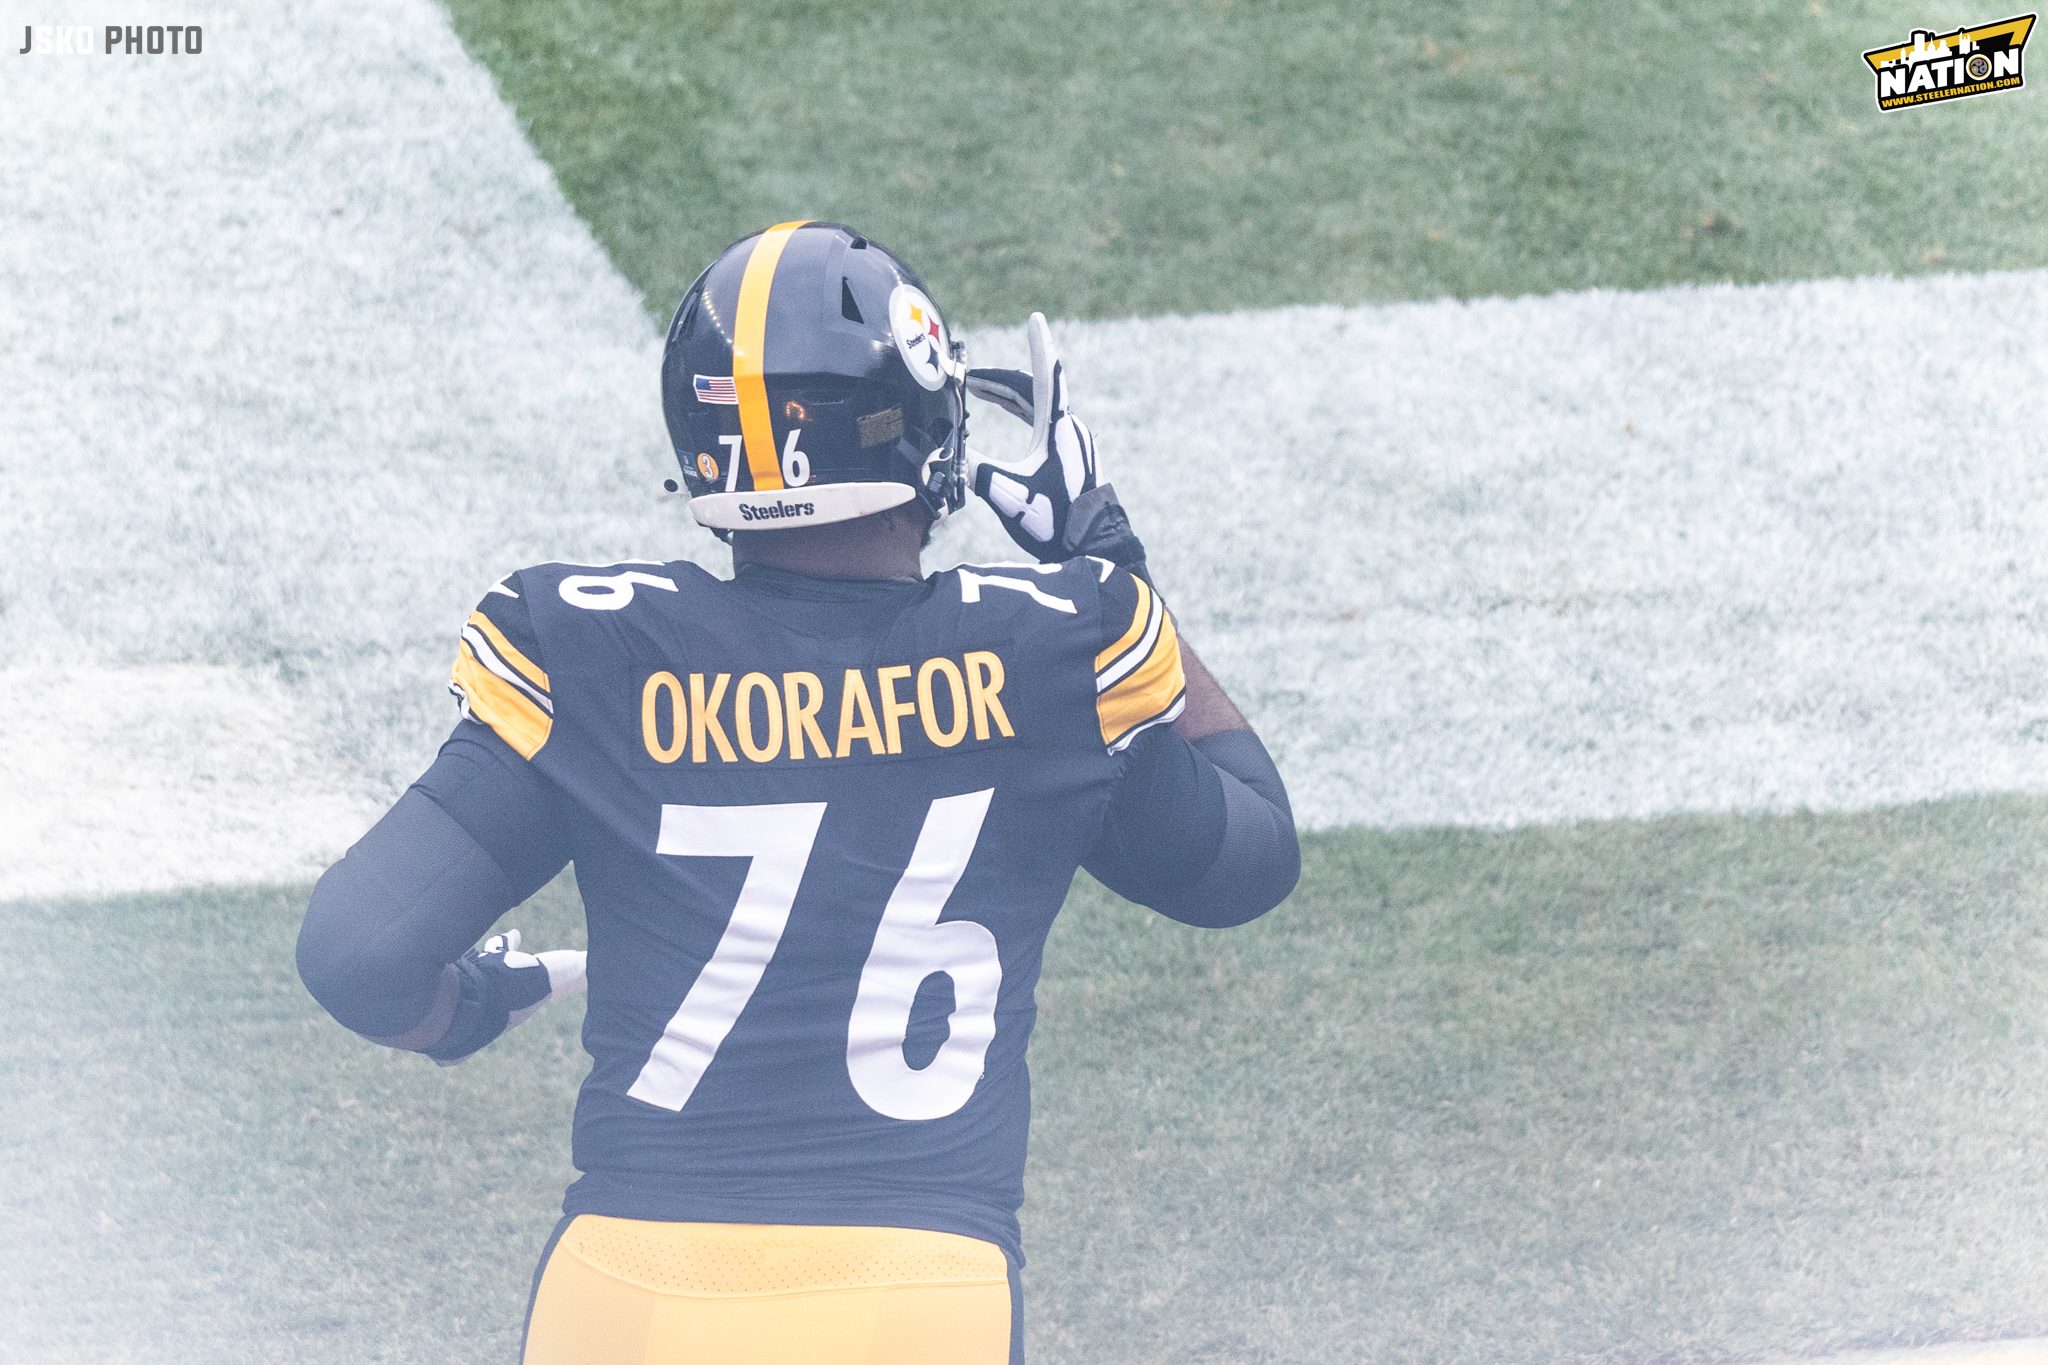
(1180, 155)
(1685, 1090)
(1701, 1088)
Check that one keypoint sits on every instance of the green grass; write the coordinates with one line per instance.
(1093, 159)
(1693, 1089)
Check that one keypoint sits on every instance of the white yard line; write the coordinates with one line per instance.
(301, 348)
(304, 347)
(164, 776)
(1603, 554)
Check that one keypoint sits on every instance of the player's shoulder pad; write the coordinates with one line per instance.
(500, 678)
(1139, 681)
(501, 671)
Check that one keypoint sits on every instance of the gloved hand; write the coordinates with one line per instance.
(1050, 499)
(501, 988)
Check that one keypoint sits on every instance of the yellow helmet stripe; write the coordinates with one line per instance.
(749, 337)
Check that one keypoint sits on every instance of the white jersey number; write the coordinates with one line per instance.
(609, 591)
(911, 945)
(972, 583)
(778, 840)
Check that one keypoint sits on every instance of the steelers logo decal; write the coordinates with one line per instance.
(707, 466)
(920, 335)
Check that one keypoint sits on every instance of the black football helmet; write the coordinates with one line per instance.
(808, 378)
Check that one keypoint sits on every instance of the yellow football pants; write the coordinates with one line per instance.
(618, 1291)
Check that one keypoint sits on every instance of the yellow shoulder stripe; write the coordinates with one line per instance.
(508, 651)
(1149, 690)
(1130, 637)
(498, 704)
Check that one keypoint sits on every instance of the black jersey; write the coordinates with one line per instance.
(821, 829)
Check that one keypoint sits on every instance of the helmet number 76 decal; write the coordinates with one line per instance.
(735, 452)
(796, 466)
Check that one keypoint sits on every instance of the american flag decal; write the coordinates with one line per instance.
(717, 388)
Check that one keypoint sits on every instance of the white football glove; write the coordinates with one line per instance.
(1051, 498)
(501, 988)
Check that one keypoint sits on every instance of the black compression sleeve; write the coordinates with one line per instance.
(512, 812)
(1164, 823)
(473, 837)
(1259, 858)
(1200, 831)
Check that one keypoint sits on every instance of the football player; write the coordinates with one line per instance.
(822, 815)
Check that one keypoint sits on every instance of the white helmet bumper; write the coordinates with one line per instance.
(819, 505)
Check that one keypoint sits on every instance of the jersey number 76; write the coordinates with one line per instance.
(911, 945)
